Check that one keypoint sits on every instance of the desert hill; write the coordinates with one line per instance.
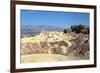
(70, 42)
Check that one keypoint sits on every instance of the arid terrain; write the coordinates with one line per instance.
(47, 46)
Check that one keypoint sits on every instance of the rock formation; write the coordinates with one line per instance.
(73, 41)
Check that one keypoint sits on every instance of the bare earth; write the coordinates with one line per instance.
(54, 46)
(47, 58)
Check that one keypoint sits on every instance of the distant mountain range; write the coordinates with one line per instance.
(36, 29)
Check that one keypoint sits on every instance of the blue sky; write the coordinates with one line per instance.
(53, 18)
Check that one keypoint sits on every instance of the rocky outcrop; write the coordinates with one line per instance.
(78, 29)
(46, 42)
(71, 42)
(80, 45)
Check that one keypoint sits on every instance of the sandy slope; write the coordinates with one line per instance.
(47, 58)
